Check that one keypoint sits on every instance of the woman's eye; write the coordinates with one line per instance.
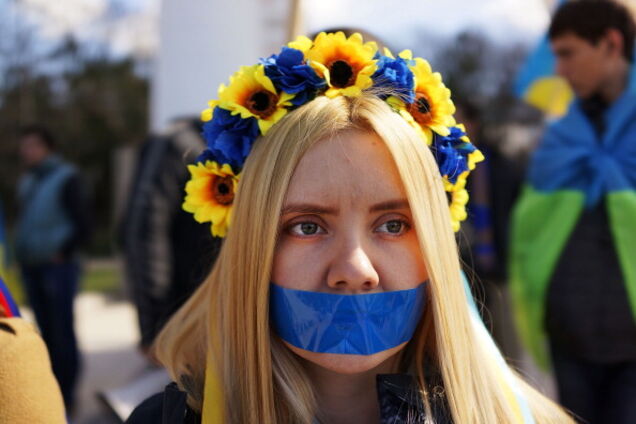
(392, 227)
(306, 229)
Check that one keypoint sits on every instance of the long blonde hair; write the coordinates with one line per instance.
(226, 321)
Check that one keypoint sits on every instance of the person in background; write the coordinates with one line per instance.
(495, 186)
(53, 222)
(573, 252)
(166, 253)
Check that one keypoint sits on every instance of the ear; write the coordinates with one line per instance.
(614, 40)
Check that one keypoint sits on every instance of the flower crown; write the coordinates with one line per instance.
(332, 65)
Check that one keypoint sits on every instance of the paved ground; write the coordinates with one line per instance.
(108, 334)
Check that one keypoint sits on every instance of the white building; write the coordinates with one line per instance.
(202, 42)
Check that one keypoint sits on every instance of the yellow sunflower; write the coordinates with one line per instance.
(458, 199)
(345, 63)
(433, 108)
(399, 106)
(210, 194)
(301, 43)
(252, 94)
(207, 114)
(475, 157)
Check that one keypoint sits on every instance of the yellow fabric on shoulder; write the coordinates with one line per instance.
(29, 393)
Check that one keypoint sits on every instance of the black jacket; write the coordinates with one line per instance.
(400, 403)
(167, 253)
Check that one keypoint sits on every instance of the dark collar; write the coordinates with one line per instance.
(398, 395)
(594, 109)
(401, 402)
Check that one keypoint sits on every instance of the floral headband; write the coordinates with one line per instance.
(331, 65)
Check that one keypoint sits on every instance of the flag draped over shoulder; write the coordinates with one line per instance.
(571, 170)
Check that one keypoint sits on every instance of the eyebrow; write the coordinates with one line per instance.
(308, 208)
(323, 210)
(390, 205)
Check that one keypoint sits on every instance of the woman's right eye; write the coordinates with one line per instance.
(306, 229)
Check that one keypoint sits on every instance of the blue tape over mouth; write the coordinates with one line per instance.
(359, 324)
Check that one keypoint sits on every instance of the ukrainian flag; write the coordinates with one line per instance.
(538, 85)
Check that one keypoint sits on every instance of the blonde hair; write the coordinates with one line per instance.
(227, 320)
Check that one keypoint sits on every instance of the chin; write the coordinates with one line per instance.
(583, 93)
(346, 364)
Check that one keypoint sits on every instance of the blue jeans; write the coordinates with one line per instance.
(51, 289)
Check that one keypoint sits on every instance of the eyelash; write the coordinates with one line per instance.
(320, 230)
(291, 227)
(404, 229)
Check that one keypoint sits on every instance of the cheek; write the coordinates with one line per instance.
(297, 266)
(401, 265)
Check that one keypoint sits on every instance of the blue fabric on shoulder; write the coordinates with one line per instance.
(572, 157)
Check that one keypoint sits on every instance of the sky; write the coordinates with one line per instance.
(504, 20)
(126, 26)
(130, 26)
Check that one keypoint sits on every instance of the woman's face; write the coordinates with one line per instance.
(346, 228)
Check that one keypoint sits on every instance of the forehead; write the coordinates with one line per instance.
(353, 165)
(569, 40)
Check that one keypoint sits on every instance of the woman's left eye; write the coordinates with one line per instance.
(393, 226)
(306, 229)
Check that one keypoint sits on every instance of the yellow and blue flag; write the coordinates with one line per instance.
(537, 83)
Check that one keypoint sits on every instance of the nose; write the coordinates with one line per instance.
(352, 271)
(560, 68)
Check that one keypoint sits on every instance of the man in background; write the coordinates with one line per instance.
(53, 222)
(573, 255)
(167, 253)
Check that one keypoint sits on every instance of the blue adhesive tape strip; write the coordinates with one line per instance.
(360, 324)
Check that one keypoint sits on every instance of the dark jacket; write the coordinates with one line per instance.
(398, 395)
(166, 252)
(54, 213)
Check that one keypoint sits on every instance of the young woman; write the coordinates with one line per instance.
(337, 296)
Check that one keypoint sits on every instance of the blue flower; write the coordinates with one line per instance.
(289, 73)
(207, 155)
(451, 153)
(229, 138)
(396, 75)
